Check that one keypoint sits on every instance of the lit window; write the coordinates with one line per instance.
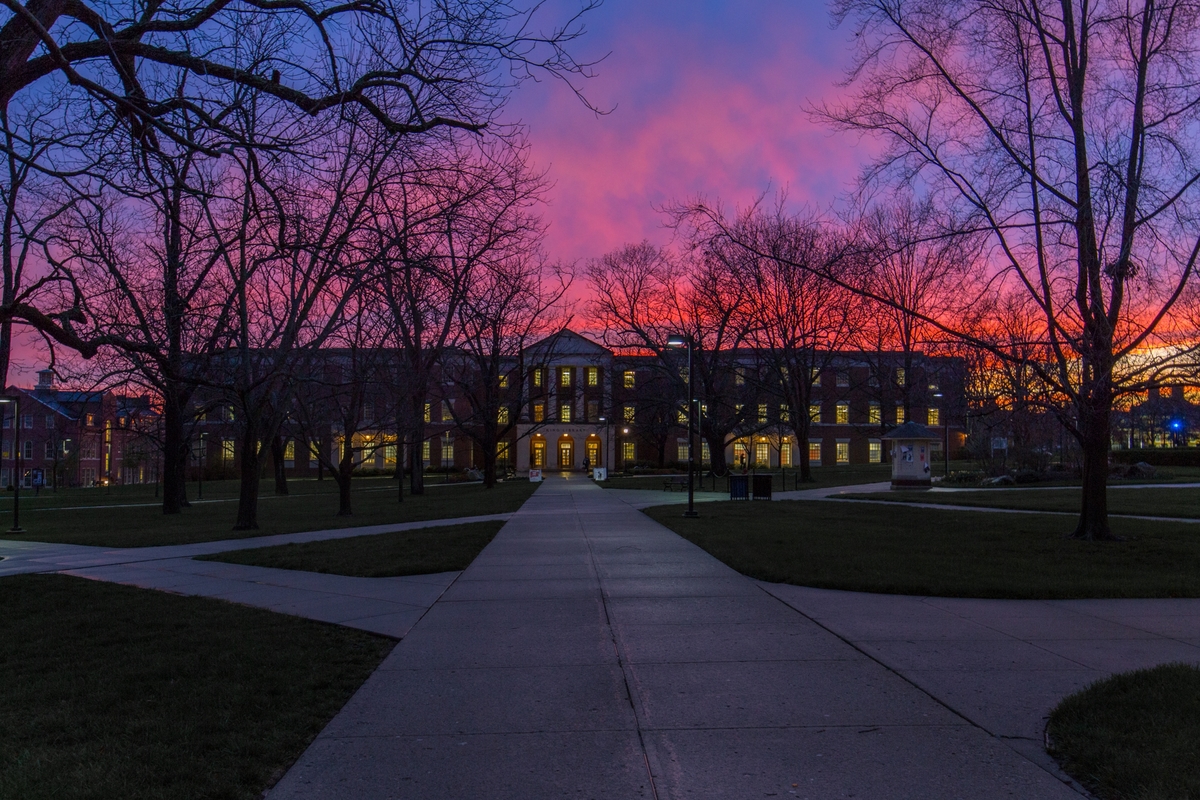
(814, 412)
(843, 452)
(628, 451)
(816, 376)
(875, 451)
(90, 420)
(564, 376)
(843, 377)
(785, 453)
(934, 417)
(564, 413)
(502, 415)
(899, 415)
(814, 453)
(504, 381)
(593, 376)
(447, 411)
(289, 451)
(389, 455)
(785, 413)
(227, 449)
(705, 456)
(762, 413)
(537, 377)
(739, 376)
(874, 413)
(933, 387)
(539, 412)
(502, 452)
(900, 376)
(843, 413)
(681, 451)
(630, 378)
(447, 452)
(629, 414)
(762, 454)
(425, 452)
(428, 410)
(681, 416)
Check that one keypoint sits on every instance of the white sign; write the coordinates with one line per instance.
(599, 473)
(1000, 444)
(535, 476)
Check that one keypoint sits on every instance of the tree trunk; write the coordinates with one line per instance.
(716, 454)
(416, 475)
(174, 454)
(247, 512)
(399, 470)
(281, 487)
(489, 466)
(802, 430)
(1095, 444)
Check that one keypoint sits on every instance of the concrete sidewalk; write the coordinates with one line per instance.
(589, 652)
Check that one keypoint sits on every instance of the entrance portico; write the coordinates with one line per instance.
(558, 446)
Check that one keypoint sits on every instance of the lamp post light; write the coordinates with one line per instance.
(16, 404)
(680, 340)
(944, 418)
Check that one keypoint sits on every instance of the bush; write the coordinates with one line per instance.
(1166, 457)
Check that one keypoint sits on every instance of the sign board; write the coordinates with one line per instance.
(1000, 444)
(599, 473)
(535, 476)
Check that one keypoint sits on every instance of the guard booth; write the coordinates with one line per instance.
(911, 448)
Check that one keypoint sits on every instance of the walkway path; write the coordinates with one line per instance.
(589, 652)
(390, 606)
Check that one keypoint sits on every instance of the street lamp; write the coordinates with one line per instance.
(609, 460)
(944, 418)
(681, 340)
(16, 404)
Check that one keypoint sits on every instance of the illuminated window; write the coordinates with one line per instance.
(502, 415)
(503, 381)
(933, 387)
(537, 377)
(289, 452)
(899, 414)
(539, 412)
(843, 452)
(785, 413)
(227, 449)
(681, 416)
(816, 377)
(814, 412)
(900, 376)
(705, 455)
(89, 420)
(934, 417)
(564, 413)
(843, 413)
(875, 451)
(630, 378)
(502, 452)
(447, 411)
(814, 452)
(762, 454)
(428, 412)
(564, 376)
(447, 452)
(681, 450)
(628, 451)
(425, 452)
(593, 376)
(843, 377)
(785, 453)
(739, 376)
(737, 408)
(629, 414)
(762, 413)
(874, 413)
(389, 455)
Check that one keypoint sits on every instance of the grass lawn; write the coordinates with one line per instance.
(1148, 502)
(311, 506)
(1134, 736)
(845, 475)
(385, 555)
(901, 550)
(111, 691)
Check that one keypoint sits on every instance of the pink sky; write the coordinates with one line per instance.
(708, 98)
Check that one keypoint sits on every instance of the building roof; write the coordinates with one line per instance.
(911, 430)
(567, 343)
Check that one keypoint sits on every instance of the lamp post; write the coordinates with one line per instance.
(944, 418)
(16, 404)
(202, 458)
(680, 340)
(608, 459)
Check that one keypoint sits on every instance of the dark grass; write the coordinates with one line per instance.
(374, 503)
(846, 475)
(1183, 503)
(1134, 736)
(418, 552)
(901, 550)
(109, 691)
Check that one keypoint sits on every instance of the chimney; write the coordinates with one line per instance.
(45, 379)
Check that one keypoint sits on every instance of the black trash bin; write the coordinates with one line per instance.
(762, 487)
(739, 487)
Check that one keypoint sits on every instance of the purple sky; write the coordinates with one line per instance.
(708, 98)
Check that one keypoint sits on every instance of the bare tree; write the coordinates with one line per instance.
(1065, 133)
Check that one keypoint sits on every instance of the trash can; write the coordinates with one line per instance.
(762, 487)
(739, 487)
